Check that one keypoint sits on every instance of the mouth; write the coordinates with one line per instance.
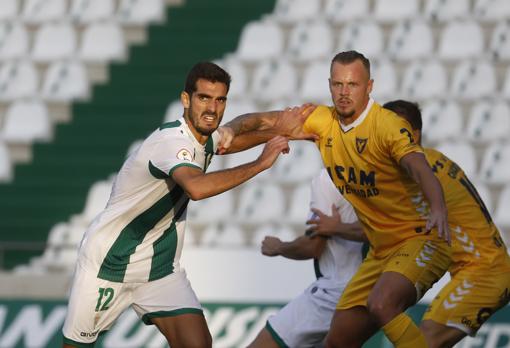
(209, 118)
(344, 102)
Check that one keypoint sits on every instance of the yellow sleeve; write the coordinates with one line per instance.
(397, 137)
(318, 121)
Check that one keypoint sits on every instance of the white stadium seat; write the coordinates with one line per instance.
(284, 232)
(505, 93)
(489, 121)
(9, 9)
(174, 111)
(211, 210)
(473, 79)
(40, 11)
(491, 10)
(97, 197)
(237, 107)
(239, 158)
(14, 40)
(500, 41)
(293, 11)
(441, 121)
(501, 217)
(65, 81)
(424, 80)
(362, 36)
(274, 79)
(341, 11)
(310, 41)
(18, 79)
(446, 10)
(395, 10)
(5, 164)
(260, 40)
(239, 83)
(87, 11)
(461, 153)
(259, 203)
(23, 113)
(301, 164)
(141, 11)
(221, 235)
(411, 39)
(495, 168)
(102, 42)
(54, 41)
(461, 40)
(299, 209)
(385, 80)
(315, 86)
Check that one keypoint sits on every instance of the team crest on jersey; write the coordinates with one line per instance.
(329, 142)
(361, 143)
(184, 155)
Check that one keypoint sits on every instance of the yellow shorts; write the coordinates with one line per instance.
(421, 261)
(470, 298)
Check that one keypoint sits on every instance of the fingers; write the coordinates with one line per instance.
(227, 135)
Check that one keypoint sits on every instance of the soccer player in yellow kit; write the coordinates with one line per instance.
(373, 160)
(480, 270)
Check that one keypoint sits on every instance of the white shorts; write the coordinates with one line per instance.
(305, 321)
(95, 304)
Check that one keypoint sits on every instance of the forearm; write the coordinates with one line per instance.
(257, 121)
(429, 184)
(302, 248)
(250, 139)
(353, 231)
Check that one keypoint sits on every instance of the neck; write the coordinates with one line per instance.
(347, 120)
(202, 139)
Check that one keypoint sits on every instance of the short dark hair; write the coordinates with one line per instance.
(207, 71)
(408, 110)
(349, 57)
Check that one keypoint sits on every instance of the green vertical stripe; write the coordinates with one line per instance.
(116, 260)
(209, 152)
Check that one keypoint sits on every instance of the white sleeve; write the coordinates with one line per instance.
(172, 153)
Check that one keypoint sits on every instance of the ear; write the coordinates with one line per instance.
(185, 100)
(370, 86)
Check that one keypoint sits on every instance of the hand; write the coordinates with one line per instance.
(291, 120)
(270, 246)
(272, 150)
(226, 137)
(439, 219)
(324, 225)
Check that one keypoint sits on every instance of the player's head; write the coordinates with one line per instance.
(204, 96)
(411, 112)
(350, 83)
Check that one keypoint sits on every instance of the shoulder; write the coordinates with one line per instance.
(320, 119)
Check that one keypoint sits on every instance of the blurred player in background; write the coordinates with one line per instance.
(129, 256)
(373, 160)
(480, 269)
(305, 321)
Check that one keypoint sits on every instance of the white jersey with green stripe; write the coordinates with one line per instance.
(138, 237)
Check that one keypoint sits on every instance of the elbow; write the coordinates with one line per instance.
(195, 195)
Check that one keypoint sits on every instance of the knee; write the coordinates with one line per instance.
(383, 307)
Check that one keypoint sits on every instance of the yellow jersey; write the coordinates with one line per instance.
(475, 239)
(363, 161)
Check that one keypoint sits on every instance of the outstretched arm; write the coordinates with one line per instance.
(417, 166)
(301, 248)
(328, 226)
(199, 185)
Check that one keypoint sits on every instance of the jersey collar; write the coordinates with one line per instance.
(360, 119)
(190, 134)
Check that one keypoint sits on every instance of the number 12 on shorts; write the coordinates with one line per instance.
(104, 299)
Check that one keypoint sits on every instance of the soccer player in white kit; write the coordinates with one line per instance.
(305, 321)
(129, 256)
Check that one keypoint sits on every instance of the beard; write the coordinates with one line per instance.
(345, 114)
(196, 122)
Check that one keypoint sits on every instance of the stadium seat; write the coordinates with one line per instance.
(23, 113)
(488, 121)
(495, 168)
(461, 40)
(75, 235)
(65, 81)
(133, 147)
(315, 86)
(491, 10)
(310, 41)
(363, 36)
(505, 93)
(410, 40)
(501, 217)
(473, 79)
(260, 203)
(18, 79)
(260, 40)
(299, 208)
(461, 153)
(395, 10)
(424, 80)
(6, 172)
(237, 107)
(54, 41)
(341, 11)
(239, 158)
(14, 40)
(141, 12)
(385, 80)
(221, 235)
(446, 10)
(284, 232)
(500, 41)
(211, 210)
(442, 120)
(40, 11)
(9, 9)
(239, 83)
(97, 197)
(300, 165)
(102, 42)
(273, 79)
(175, 111)
(293, 11)
(88, 11)
(58, 235)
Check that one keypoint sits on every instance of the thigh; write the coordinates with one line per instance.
(350, 328)
(469, 299)
(94, 304)
(187, 330)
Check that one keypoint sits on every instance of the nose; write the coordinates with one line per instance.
(212, 106)
(344, 90)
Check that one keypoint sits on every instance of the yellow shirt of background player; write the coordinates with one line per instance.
(363, 161)
(476, 240)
